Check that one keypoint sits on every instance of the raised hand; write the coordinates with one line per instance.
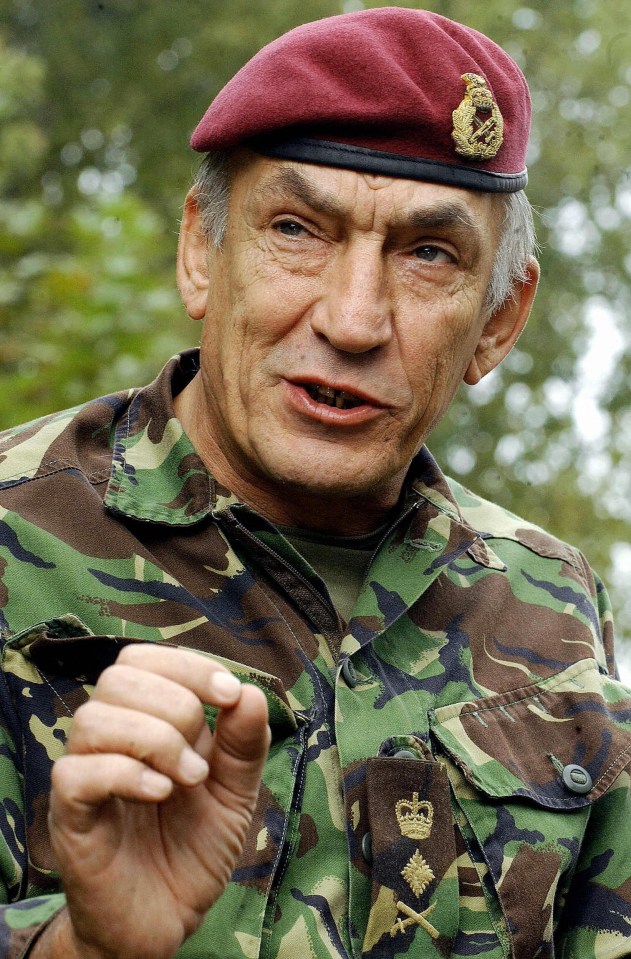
(149, 810)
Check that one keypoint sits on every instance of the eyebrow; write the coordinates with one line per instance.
(443, 216)
(298, 186)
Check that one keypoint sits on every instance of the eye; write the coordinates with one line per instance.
(290, 228)
(432, 254)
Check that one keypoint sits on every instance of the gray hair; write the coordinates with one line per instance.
(517, 245)
(517, 242)
(212, 188)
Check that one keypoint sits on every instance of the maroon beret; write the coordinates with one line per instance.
(393, 91)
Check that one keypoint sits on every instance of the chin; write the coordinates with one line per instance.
(330, 468)
(335, 481)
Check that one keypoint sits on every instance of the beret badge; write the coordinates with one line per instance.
(478, 130)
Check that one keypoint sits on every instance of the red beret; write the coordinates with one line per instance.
(393, 91)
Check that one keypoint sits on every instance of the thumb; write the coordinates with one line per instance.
(240, 747)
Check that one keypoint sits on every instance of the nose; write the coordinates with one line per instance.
(354, 312)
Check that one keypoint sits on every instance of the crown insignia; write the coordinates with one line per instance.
(415, 818)
(478, 131)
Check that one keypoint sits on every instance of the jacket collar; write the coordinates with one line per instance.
(157, 475)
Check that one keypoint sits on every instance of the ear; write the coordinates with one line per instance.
(504, 327)
(192, 260)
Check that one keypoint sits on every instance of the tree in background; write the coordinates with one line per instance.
(97, 100)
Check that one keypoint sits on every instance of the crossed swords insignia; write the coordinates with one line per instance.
(414, 918)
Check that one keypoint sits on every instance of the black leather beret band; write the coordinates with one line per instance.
(349, 157)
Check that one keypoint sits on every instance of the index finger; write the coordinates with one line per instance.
(209, 680)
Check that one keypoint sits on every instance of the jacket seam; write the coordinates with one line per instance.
(568, 555)
(61, 466)
(613, 764)
(540, 691)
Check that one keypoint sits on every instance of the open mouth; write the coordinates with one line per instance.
(338, 398)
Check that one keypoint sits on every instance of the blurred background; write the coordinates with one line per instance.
(97, 101)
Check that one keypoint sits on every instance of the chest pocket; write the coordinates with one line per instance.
(526, 768)
(50, 670)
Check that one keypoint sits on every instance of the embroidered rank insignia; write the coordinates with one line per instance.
(415, 818)
(413, 918)
(418, 874)
(415, 902)
(478, 131)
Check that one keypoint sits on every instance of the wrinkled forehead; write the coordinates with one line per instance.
(365, 200)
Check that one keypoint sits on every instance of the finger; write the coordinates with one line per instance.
(204, 742)
(209, 680)
(100, 727)
(240, 746)
(82, 783)
(146, 692)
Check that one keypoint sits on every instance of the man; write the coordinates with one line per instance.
(447, 772)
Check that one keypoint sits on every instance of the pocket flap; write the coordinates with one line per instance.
(64, 648)
(520, 743)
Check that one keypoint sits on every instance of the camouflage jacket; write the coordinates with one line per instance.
(449, 770)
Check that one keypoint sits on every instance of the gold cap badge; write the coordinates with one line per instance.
(478, 124)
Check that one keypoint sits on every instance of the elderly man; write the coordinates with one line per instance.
(261, 534)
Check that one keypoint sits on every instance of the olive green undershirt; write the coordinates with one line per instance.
(341, 561)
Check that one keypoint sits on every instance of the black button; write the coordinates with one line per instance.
(404, 754)
(367, 848)
(349, 674)
(577, 779)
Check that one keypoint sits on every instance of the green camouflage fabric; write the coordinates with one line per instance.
(449, 772)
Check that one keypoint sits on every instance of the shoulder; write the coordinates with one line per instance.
(543, 570)
(75, 438)
(495, 522)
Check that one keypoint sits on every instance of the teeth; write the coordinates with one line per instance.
(347, 400)
(327, 395)
(338, 398)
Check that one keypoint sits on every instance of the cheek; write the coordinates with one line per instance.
(436, 361)
(270, 305)
(244, 339)
(429, 359)
(264, 276)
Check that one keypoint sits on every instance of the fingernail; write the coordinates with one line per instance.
(192, 767)
(225, 686)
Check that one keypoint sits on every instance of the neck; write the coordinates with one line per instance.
(325, 513)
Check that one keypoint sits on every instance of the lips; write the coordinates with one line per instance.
(341, 399)
(334, 404)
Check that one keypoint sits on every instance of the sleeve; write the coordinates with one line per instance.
(605, 619)
(596, 917)
(23, 911)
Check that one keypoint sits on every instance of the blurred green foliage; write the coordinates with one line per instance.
(97, 100)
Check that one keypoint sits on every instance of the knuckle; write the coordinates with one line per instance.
(182, 708)
(63, 775)
(83, 719)
(110, 679)
(195, 711)
(132, 654)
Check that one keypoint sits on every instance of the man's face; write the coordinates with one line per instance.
(341, 314)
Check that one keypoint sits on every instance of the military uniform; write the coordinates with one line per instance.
(448, 773)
